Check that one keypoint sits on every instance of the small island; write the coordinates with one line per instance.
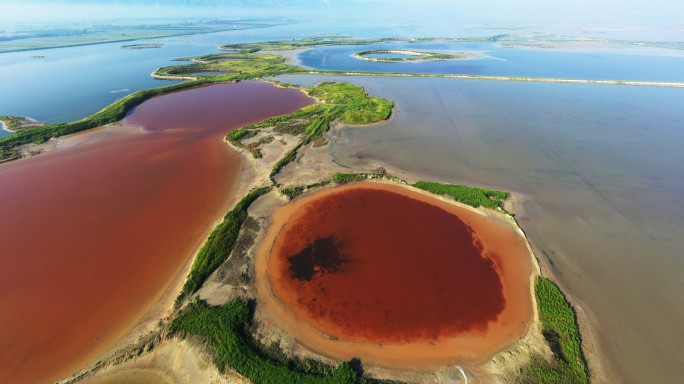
(401, 55)
(142, 46)
(17, 123)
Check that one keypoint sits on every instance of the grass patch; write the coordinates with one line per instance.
(238, 66)
(296, 190)
(12, 122)
(219, 244)
(413, 55)
(285, 45)
(225, 330)
(560, 329)
(475, 197)
(240, 134)
(344, 178)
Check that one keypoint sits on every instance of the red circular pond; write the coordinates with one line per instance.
(372, 265)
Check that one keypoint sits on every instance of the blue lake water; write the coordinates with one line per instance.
(625, 64)
(72, 83)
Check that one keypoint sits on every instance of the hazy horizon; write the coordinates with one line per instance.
(663, 14)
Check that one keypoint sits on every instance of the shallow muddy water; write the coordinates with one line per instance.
(93, 233)
(601, 172)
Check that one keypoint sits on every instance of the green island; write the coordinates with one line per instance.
(409, 55)
(18, 123)
(142, 46)
(225, 329)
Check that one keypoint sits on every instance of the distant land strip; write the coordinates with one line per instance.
(506, 78)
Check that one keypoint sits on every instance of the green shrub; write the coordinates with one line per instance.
(225, 330)
(560, 328)
(472, 196)
(220, 243)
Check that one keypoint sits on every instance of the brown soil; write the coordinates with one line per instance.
(171, 362)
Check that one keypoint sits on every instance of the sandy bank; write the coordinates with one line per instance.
(171, 362)
(3, 126)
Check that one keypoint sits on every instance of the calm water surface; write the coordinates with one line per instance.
(94, 233)
(624, 64)
(602, 174)
(72, 83)
(75, 82)
(353, 262)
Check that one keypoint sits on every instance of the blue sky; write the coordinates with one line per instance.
(652, 12)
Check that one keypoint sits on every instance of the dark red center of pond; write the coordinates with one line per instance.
(370, 265)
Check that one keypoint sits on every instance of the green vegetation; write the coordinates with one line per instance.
(414, 55)
(339, 179)
(340, 101)
(475, 197)
(220, 243)
(284, 45)
(141, 46)
(296, 190)
(12, 122)
(237, 66)
(345, 102)
(344, 178)
(240, 134)
(225, 329)
(560, 329)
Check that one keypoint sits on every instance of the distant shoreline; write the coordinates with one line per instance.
(122, 40)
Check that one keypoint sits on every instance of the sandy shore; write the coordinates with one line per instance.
(172, 361)
(3, 126)
(290, 55)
